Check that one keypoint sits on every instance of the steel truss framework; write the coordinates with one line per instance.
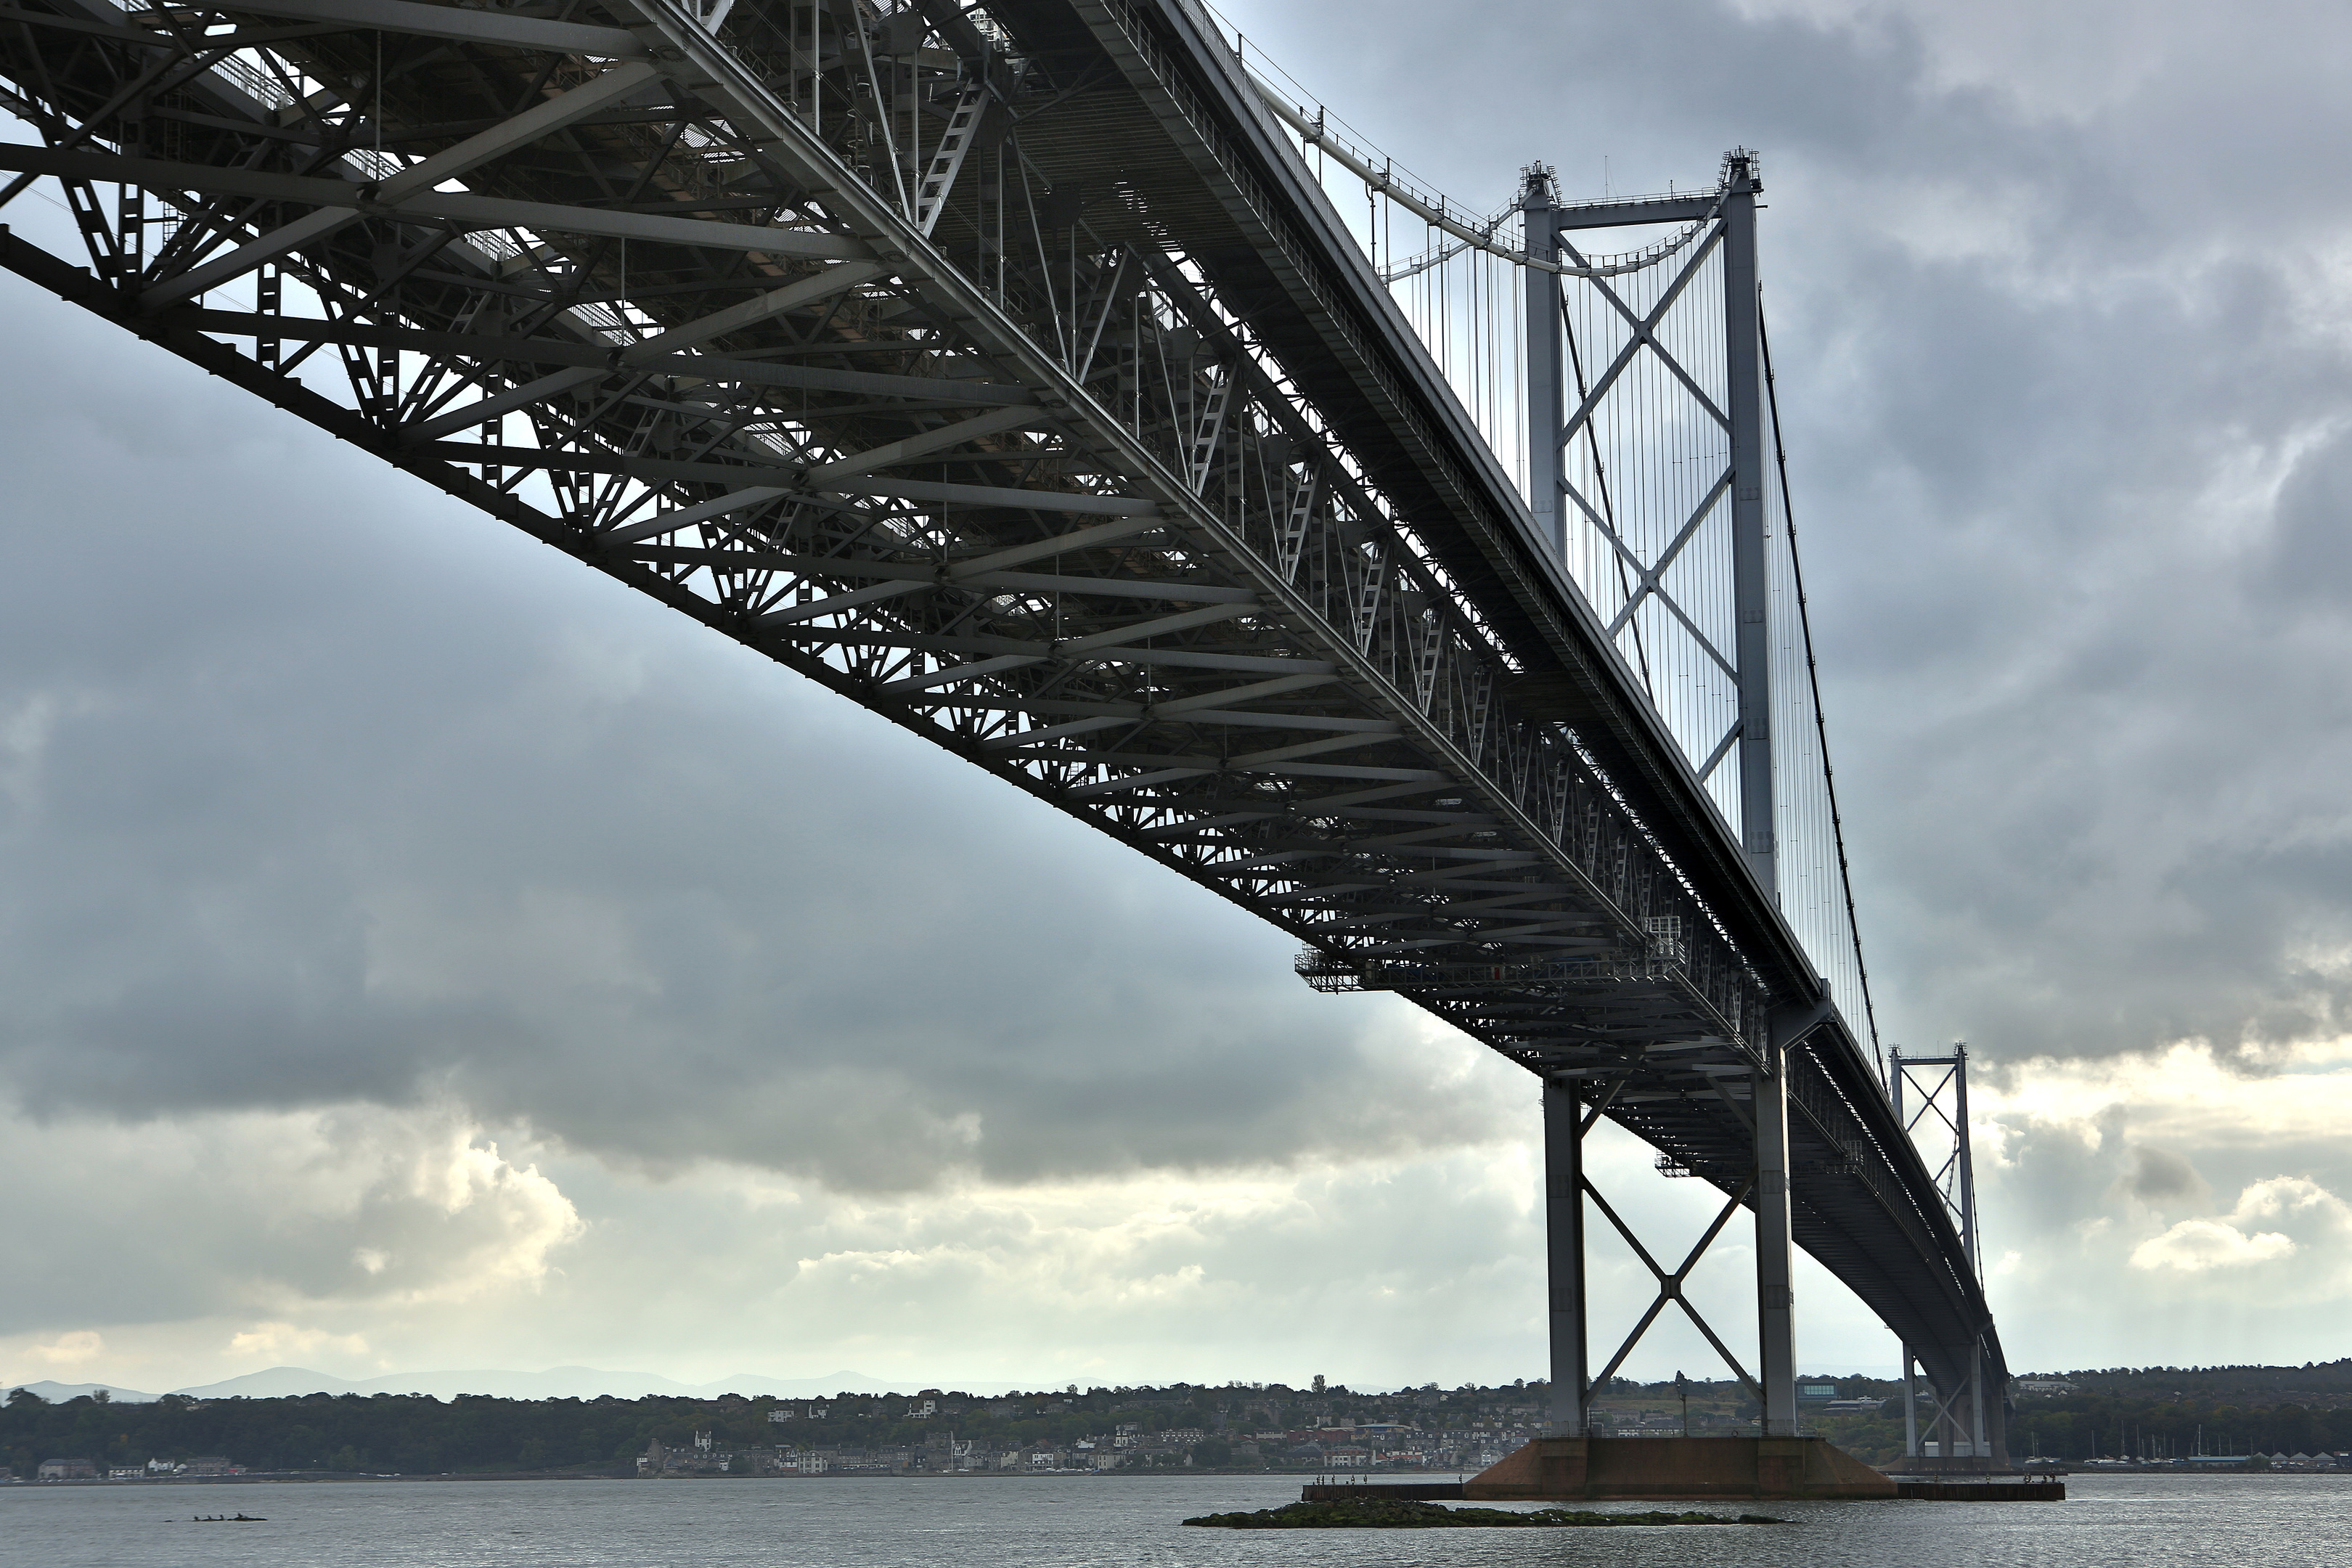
(1930, 1095)
(997, 368)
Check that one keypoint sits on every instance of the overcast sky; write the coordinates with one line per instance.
(420, 952)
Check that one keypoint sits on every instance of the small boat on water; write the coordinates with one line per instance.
(229, 1518)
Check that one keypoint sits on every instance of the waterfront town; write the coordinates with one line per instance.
(2281, 1419)
(1145, 1429)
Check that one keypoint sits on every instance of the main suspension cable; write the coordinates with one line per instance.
(1814, 676)
(1317, 134)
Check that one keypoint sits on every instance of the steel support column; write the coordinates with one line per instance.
(1910, 1406)
(1776, 1370)
(1547, 389)
(1965, 1157)
(1977, 1449)
(1563, 1118)
(1980, 1449)
(1751, 581)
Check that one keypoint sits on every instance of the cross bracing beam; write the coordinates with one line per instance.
(1112, 471)
(462, 209)
(462, 24)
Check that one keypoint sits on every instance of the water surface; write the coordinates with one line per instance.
(1109, 1522)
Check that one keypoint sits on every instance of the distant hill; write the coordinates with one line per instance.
(1847, 1368)
(2314, 1385)
(2321, 1385)
(555, 1382)
(56, 1392)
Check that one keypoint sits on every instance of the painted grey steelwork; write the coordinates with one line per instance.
(1739, 495)
(1750, 460)
(1002, 367)
(1776, 1293)
(1565, 1121)
(1547, 381)
(1937, 1089)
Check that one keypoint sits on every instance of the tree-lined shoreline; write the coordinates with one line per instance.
(1239, 1427)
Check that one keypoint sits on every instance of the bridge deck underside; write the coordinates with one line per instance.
(1125, 482)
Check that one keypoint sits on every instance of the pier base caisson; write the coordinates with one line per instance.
(1594, 1468)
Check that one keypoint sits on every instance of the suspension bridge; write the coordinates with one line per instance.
(1051, 378)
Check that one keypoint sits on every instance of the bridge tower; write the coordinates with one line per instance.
(1930, 1095)
(1728, 214)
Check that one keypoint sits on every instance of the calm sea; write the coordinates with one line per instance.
(2235, 1521)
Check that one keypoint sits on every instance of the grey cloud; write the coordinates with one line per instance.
(303, 804)
(2065, 1215)
(249, 1215)
(2308, 567)
(2058, 344)
(2163, 1179)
